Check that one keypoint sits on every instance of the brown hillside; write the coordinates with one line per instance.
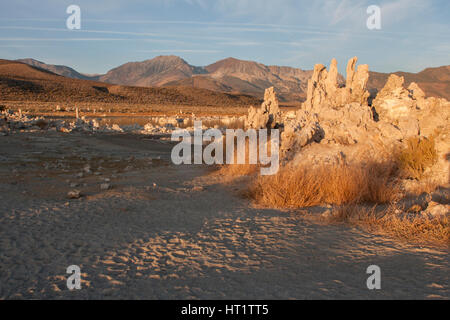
(21, 82)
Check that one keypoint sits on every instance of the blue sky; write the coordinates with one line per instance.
(415, 34)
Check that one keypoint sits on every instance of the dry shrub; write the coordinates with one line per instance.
(382, 185)
(418, 155)
(296, 187)
(428, 186)
(393, 222)
(286, 189)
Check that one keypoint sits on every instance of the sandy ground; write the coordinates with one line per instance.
(167, 232)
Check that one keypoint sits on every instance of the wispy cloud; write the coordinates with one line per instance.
(241, 43)
(394, 12)
(80, 31)
(180, 51)
(21, 46)
(63, 39)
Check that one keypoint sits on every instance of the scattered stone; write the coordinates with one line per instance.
(435, 209)
(327, 214)
(105, 186)
(116, 127)
(74, 194)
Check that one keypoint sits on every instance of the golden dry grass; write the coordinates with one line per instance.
(351, 188)
(393, 222)
(297, 187)
(237, 170)
(426, 185)
(418, 155)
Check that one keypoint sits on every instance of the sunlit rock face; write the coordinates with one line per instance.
(268, 116)
(324, 90)
(336, 121)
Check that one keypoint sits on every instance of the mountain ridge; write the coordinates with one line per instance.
(22, 82)
(57, 69)
(231, 75)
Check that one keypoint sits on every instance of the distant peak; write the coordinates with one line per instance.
(30, 60)
(233, 60)
(169, 58)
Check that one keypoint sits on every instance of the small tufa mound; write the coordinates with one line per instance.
(266, 117)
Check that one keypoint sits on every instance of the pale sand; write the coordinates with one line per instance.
(190, 237)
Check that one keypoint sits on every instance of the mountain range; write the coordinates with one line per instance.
(238, 76)
(22, 82)
(60, 70)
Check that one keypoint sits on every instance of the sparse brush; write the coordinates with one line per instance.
(296, 187)
(394, 222)
(418, 155)
(427, 186)
(238, 170)
(382, 184)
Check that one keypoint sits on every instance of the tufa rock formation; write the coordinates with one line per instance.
(332, 114)
(336, 122)
(324, 90)
(268, 116)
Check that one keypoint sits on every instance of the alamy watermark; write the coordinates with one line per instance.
(236, 151)
(374, 281)
(74, 20)
(374, 20)
(74, 281)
